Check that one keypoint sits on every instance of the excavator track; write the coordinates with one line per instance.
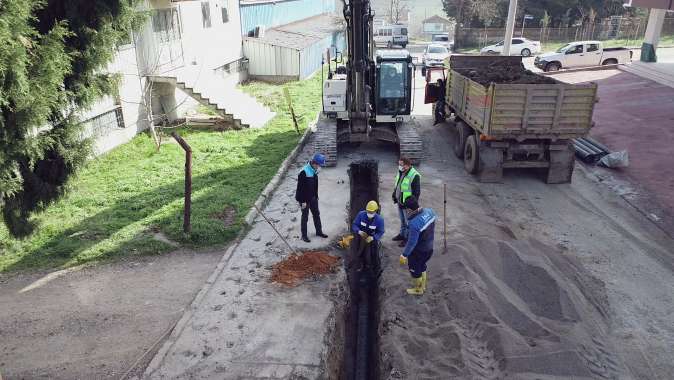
(325, 140)
(409, 142)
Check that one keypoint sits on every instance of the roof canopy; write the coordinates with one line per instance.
(657, 4)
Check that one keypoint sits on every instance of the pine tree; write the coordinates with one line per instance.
(53, 56)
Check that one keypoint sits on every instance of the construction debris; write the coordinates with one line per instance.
(296, 268)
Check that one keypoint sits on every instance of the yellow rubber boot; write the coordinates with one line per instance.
(417, 287)
(424, 280)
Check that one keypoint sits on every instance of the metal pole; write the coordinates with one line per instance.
(444, 215)
(510, 27)
(524, 21)
(187, 226)
(292, 250)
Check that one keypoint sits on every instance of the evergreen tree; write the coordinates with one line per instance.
(53, 56)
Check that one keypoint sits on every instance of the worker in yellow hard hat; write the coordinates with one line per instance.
(368, 227)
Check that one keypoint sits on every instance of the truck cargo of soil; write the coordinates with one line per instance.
(508, 117)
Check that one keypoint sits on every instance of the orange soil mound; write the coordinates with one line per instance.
(294, 269)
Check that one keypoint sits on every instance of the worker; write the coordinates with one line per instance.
(307, 195)
(407, 184)
(419, 248)
(368, 227)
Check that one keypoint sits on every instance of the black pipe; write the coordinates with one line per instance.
(597, 144)
(589, 147)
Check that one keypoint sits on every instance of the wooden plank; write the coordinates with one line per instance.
(558, 107)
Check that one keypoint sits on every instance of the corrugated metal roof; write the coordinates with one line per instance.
(300, 34)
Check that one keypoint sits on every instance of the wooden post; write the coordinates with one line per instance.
(187, 226)
(444, 216)
(290, 107)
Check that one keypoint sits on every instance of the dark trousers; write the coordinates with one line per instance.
(416, 263)
(312, 206)
(365, 251)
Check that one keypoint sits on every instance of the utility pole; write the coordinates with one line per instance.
(510, 27)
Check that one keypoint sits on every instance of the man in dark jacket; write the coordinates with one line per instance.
(419, 248)
(408, 183)
(307, 195)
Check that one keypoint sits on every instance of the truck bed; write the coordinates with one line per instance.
(521, 111)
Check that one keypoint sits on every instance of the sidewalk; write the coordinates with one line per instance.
(243, 326)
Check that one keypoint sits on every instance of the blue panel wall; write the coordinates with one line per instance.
(281, 12)
(311, 57)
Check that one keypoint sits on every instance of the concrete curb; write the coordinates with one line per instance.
(261, 201)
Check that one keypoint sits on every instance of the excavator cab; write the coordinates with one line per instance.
(393, 96)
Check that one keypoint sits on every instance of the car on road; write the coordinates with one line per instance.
(519, 46)
(391, 35)
(582, 54)
(435, 55)
(443, 39)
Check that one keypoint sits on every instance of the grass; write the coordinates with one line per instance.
(120, 200)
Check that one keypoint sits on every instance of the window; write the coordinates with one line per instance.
(206, 14)
(592, 47)
(393, 82)
(575, 49)
(223, 9)
(437, 50)
(517, 41)
(104, 123)
(403, 31)
(166, 24)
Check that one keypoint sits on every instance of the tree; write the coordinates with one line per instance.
(53, 56)
(398, 10)
(545, 22)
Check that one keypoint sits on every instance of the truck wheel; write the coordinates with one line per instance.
(471, 155)
(526, 53)
(462, 133)
(610, 61)
(552, 66)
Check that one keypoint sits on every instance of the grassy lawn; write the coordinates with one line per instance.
(120, 200)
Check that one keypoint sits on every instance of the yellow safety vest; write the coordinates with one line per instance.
(406, 184)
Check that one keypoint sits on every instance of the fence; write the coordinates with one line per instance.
(632, 30)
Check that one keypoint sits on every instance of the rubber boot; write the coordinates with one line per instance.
(424, 280)
(417, 287)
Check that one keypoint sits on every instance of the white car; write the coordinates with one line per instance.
(435, 55)
(519, 46)
(582, 54)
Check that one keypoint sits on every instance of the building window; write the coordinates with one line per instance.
(223, 9)
(166, 24)
(206, 14)
(102, 124)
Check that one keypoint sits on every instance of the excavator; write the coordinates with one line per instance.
(370, 97)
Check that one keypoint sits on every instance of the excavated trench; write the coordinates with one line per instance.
(361, 350)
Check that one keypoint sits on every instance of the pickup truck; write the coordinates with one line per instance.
(582, 54)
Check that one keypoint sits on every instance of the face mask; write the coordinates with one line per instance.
(317, 169)
(370, 215)
(400, 168)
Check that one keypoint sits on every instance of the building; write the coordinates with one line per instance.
(286, 39)
(188, 52)
(656, 19)
(435, 25)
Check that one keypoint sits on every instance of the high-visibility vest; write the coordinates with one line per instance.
(406, 184)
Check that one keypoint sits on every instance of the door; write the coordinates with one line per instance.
(575, 56)
(516, 46)
(435, 84)
(592, 55)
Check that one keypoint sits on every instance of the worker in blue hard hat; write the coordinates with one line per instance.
(419, 247)
(368, 228)
(307, 195)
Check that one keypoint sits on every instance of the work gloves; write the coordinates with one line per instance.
(304, 205)
(369, 239)
(362, 234)
(403, 260)
(395, 200)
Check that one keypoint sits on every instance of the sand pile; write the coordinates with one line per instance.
(296, 268)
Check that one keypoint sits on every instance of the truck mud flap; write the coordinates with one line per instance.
(562, 162)
(491, 164)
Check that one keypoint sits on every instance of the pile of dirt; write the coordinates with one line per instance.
(295, 268)
(506, 74)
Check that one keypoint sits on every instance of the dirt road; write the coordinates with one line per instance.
(94, 323)
(538, 281)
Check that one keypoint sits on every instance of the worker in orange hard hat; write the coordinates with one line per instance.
(368, 227)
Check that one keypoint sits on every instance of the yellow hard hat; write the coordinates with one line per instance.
(372, 206)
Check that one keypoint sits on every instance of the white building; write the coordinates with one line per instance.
(188, 52)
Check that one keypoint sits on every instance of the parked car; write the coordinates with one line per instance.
(582, 54)
(519, 46)
(434, 56)
(442, 39)
(391, 35)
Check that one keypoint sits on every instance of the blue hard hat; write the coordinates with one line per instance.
(319, 159)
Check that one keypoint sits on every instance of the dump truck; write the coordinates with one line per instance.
(508, 117)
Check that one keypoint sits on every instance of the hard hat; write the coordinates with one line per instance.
(319, 159)
(372, 206)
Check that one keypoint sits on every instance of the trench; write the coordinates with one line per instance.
(361, 341)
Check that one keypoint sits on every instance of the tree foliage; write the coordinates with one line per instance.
(53, 56)
(562, 13)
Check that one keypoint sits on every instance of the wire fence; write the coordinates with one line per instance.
(628, 31)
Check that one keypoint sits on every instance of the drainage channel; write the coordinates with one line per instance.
(361, 355)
